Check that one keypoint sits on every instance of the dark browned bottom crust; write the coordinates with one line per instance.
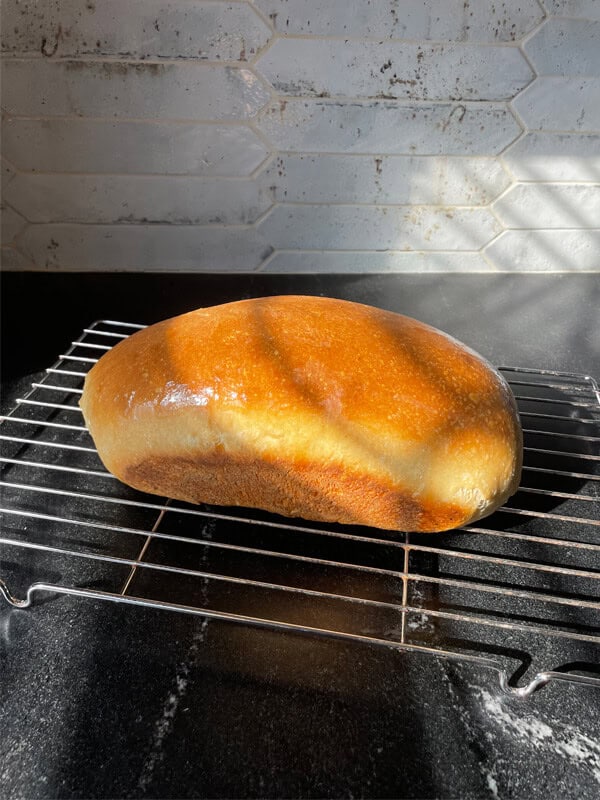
(324, 494)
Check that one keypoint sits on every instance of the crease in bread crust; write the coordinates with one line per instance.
(308, 406)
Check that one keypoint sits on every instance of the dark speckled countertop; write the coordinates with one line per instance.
(105, 701)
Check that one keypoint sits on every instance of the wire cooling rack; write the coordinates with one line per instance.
(518, 590)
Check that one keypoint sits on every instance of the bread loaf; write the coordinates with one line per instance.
(308, 407)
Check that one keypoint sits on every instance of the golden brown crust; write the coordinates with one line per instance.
(310, 491)
(308, 406)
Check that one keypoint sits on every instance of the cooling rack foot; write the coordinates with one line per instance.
(523, 692)
(543, 678)
(13, 600)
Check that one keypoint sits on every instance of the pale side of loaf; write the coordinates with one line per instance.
(310, 407)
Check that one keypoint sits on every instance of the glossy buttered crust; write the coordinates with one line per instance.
(309, 407)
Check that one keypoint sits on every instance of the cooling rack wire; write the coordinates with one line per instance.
(519, 587)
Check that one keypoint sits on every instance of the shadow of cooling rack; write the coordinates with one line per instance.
(515, 592)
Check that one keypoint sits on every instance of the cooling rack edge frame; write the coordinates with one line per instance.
(506, 684)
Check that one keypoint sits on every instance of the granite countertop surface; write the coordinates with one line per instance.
(104, 701)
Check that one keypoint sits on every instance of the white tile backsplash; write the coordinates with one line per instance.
(565, 47)
(104, 199)
(588, 9)
(75, 144)
(540, 156)
(425, 20)
(144, 247)
(122, 89)
(381, 127)
(386, 180)
(144, 29)
(12, 223)
(545, 250)
(316, 261)
(13, 259)
(549, 205)
(561, 104)
(394, 70)
(367, 227)
(301, 136)
(7, 173)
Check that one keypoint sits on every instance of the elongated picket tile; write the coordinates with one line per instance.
(545, 250)
(386, 179)
(136, 29)
(561, 104)
(13, 259)
(121, 89)
(7, 173)
(313, 126)
(378, 227)
(559, 205)
(12, 223)
(128, 147)
(586, 9)
(402, 70)
(565, 47)
(105, 199)
(443, 20)
(540, 156)
(340, 262)
(186, 248)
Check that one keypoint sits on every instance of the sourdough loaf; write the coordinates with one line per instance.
(310, 407)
